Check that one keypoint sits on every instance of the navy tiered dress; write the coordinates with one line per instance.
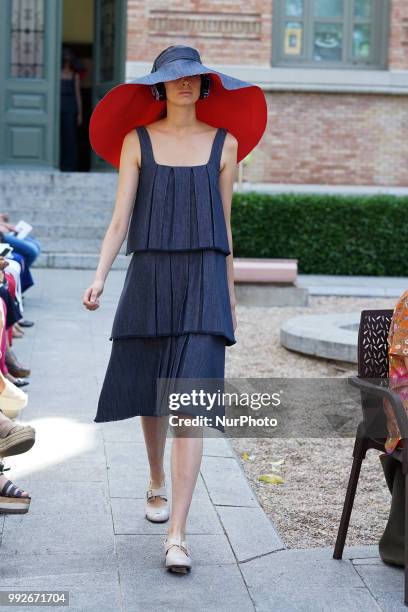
(173, 318)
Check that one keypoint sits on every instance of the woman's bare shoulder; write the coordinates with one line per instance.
(232, 141)
(230, 147)
(131, 146)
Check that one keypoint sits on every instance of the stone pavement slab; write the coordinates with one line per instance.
(301, 580)
(356, 286)
(250, 532)
(85, 531)
(88, 591)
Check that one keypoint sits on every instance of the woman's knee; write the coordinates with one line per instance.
(186, 426)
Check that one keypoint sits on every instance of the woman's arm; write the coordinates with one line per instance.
(125, 196)
(226, 184)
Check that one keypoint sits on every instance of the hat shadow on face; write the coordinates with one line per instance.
(196, 85)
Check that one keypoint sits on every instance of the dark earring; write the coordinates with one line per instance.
(158, 91)
(205, 86)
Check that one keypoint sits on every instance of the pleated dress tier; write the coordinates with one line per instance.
(173, 318)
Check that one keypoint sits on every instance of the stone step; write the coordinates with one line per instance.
(40, 220)
(70, 213)
(81, 193)
(51, 203)
(16, 179)
(78, 261)
(67, 245)
(77, 186)
(331, 336)
(80, 231)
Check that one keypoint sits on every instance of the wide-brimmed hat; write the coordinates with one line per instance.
(235, 105)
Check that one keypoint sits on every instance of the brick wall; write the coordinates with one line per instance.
(229, 31)
(222, 33)
(323, 138)
(398, 38)
(350, 139)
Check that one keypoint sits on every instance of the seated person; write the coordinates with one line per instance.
(14, 372)
(398, 369)
(27, 248)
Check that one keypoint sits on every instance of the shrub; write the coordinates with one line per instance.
(328, 234)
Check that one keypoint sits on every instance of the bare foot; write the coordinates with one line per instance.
(16, 333)
(3, 480)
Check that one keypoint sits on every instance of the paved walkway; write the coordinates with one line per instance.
(353, 286)
(85, 531)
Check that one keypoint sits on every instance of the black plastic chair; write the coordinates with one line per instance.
(372, 381)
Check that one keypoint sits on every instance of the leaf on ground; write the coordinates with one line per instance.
(271, 478)
(276, 465)
(246, 456)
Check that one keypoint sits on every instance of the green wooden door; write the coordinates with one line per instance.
(109, 55)
(30, 34)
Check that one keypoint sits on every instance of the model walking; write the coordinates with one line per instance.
(176, 312)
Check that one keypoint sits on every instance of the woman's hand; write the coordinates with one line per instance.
(6, 227)
(91, 295)
(3, 262)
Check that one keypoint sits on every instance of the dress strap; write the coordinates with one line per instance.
(217, 147)
(145, 145)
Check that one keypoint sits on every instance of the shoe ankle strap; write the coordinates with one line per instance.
(159, 492)
(181, 545)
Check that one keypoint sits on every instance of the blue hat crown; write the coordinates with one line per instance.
(176, 52)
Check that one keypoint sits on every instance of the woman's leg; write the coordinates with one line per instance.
(34, 242)
(25, 252)
(14, 268)
(155, 432)
(186, 455)
(23, 247)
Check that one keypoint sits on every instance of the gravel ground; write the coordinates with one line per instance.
(306, 508)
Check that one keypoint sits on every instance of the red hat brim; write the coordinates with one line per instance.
(242, 112)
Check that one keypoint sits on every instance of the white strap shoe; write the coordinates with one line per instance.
(177, 556)
(153, 513)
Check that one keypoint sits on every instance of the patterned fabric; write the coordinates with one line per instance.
(398, 367)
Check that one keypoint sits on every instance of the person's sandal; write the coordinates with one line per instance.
(152, 513)
(19, 382)
(12, 500)
(177, 556)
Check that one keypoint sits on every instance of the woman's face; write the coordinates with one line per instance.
(184, 90)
